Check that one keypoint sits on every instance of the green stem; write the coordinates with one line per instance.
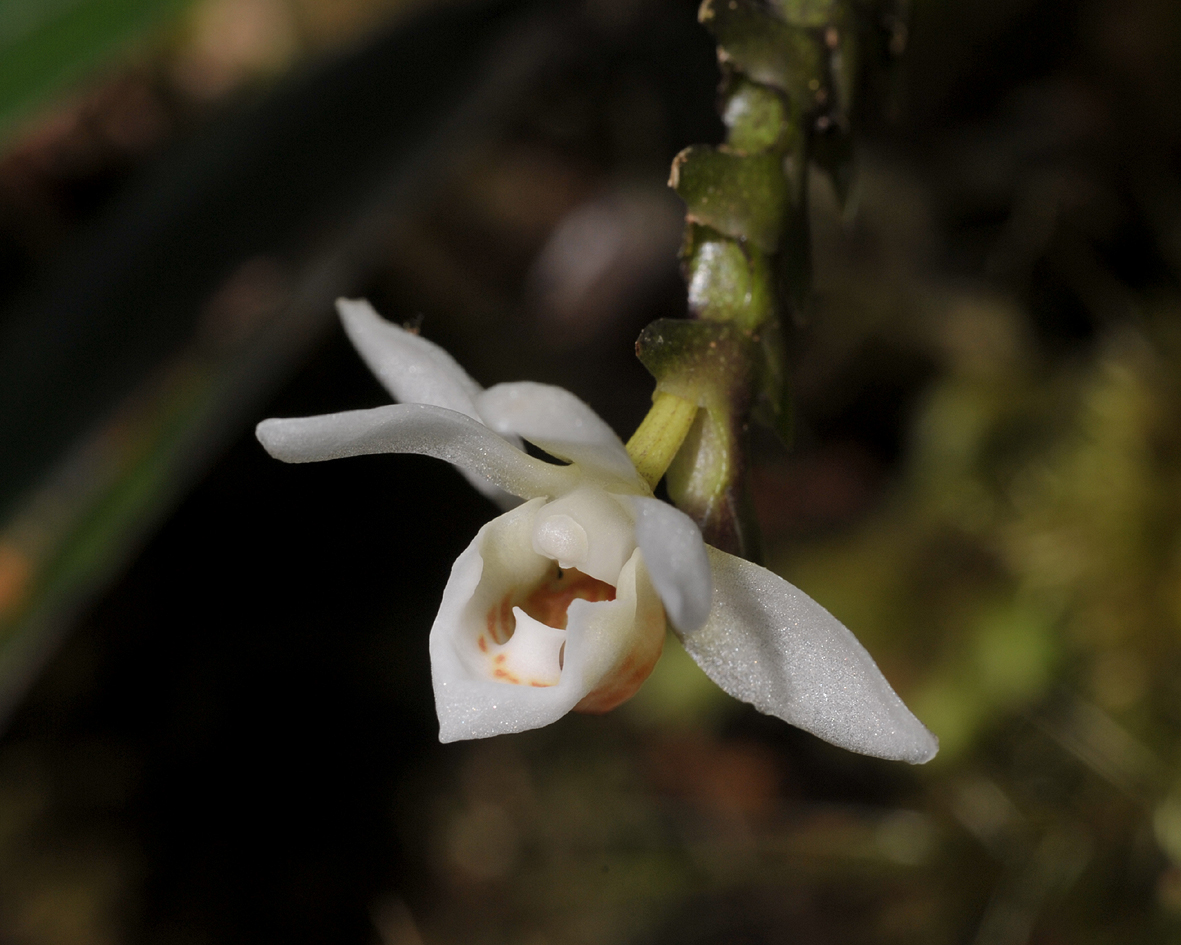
(660, 435)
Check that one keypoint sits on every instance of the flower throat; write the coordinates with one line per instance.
(547, 603)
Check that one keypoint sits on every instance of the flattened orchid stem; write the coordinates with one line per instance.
(659, 436)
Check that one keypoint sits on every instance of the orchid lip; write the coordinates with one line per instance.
(524, 636)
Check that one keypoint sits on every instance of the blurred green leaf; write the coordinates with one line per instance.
(804, 12)
(45, 44)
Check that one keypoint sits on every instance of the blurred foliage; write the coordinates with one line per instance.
(47, 43)
(51, 50)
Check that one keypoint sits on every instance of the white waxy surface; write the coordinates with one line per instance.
(413, 369)
(769, 644)
(415, 428)
(563, 426)
(416, 371)
(675, 555)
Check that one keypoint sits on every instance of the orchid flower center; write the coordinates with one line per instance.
(525, 635)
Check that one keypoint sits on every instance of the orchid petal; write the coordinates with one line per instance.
(612, 646)
(675, 555)
(412, 369)
(416, 371)
(771, 645)
(562, 425)
(416, 428)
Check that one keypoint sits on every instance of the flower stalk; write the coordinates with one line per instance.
(658, 438)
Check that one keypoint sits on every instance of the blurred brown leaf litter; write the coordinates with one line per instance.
(236, 743)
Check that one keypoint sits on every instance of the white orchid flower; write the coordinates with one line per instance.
(560, 603)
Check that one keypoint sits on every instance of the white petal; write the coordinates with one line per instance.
(412, 369)
(562, 425)
(675, 555)
(415, 428)
(771, 645)
(416, 371)
(599, 635)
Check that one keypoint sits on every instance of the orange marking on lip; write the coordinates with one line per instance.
(507, 622)
(549, 602)
(546, 603)
(500, 622)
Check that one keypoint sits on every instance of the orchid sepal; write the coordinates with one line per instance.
(768, 643)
